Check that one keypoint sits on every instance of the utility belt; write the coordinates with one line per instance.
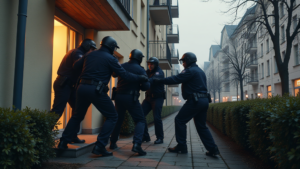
(156, 95)
(134, 93)
(195, 96)
(100, 86)
(65, 80)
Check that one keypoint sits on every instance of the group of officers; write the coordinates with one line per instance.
(84, 74)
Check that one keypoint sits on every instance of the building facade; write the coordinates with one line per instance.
(261, 78)
(55, 27)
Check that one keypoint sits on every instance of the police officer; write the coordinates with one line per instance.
(126, 97)
(194, 90)
(64, 91)
(154, 100)
(97, 68)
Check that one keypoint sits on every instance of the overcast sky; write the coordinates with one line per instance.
(200, 25)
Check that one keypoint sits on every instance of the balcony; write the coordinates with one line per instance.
(252, 64)
(112, 15)
(173, 34)
(227, 89)
(226, 80)
(161, 50)
(250, 34)
(252, 47)
(160, 11)
(253, 79)
(224, 59)
(175, 94)
(175, 9)
(174, 73)
(175, 56)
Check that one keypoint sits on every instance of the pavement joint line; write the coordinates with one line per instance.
(191, 145)
(165, 152)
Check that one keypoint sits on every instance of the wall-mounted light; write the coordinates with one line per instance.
(247, 96)
(258, 94)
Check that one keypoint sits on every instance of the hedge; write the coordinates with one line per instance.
(128, 124)
(26, 138)
(268, 127)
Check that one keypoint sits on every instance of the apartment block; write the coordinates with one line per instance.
(55, 27)
(252, 42)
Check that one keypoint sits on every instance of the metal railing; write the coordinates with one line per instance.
(175, 53)
(225, 68)
(161, 3)
(172, 29)
(125, 4)
(252, 78)
(252, 45)
(253, 62)
(174, 2)
(160, 50)
(225, 89)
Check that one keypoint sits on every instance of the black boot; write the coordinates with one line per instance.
(159, 141)
(77, 140)
(213, 153)
(100, 150)
(138, 149)
(146, 139)
(63, 145)
(181, 149)
(113, 146)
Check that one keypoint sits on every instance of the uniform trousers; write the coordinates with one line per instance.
(155, 105)
(62, 96)
(125, 102)
(194, 110)
(86, 95)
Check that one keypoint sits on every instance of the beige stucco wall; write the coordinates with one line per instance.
(8, 34)
(38, 54)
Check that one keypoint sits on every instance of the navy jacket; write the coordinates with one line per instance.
(155, 88)
(66, 65)
(134, 67)
(193, 80)
(99, 65)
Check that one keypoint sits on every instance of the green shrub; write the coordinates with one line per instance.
(269, 127)
(26, 138)
(128, 123)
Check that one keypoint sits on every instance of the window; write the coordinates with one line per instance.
(268, 68)
(281, 10)
(261, 50)
(282, 34)
(296, 55)
(269, 91)
(262, 70)
(295, 22)
(275, 66)
(297, 87)
(267, 45)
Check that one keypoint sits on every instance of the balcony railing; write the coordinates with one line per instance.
(251, 47)
(252, 63)
(225, 68)
(161, 50)
(125, 4)
(226, 90)
(173, 33)
(252, 79)
(175, 56)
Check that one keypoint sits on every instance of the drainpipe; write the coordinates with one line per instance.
(20, 52)
(148, 16)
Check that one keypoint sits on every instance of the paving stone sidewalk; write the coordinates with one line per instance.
(157, 156)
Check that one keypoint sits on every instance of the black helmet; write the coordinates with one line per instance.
(137, 55)
(153, 60)
(87, 44)
(189, 58)
(110, 43)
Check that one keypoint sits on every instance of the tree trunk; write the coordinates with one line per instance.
(241, 88)
(284, 76)
(220, 97)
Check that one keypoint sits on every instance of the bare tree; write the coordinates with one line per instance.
(238, 60)
(214, 84)
(269, 18)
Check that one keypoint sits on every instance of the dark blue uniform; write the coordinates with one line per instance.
(154, 101)
(66, 93)
(125, 101)
(193, 80)
(96, 66)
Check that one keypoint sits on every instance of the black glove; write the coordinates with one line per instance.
(143, 78)
(157, 81)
